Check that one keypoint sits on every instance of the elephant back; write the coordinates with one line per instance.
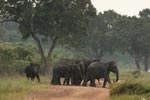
(66, 62)
(97, 68)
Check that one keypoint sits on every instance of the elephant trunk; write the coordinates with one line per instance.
(117, 76)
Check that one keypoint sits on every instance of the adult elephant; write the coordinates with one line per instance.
(32, 71)
(86, 63)
(67, 69)
(98, 70)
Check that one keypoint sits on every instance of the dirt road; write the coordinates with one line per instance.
(70, 93)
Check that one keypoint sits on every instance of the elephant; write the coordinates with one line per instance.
(32, 71)
(67, 69)
(97, 70)
(86, 63)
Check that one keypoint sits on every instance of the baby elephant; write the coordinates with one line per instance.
(32, 71)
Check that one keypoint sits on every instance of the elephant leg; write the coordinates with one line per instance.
(56, 80)
(105, 81)
(99, 81)
(32, 77)
(80, 81)
(52, 81)
(92, 83)
(58, 83)
(85, 82)
(38, 78)
(109, 80)
(66, 80)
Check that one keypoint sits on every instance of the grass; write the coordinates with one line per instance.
(130, 97)
(14, 88)
(19, 87)
(132, 88)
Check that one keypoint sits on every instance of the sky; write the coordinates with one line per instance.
(123, 7)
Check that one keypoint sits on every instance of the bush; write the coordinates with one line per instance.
(12, 67)
(16, 51)
(136, 73)
(22, 52)
(131, 86)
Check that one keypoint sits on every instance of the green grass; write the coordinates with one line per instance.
(132, 88)
(130, 97)
(19, 87)
(14, 88)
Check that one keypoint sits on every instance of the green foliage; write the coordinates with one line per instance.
(61, 21)
(100, 34)
(16, 51)
(131, 87)
(7, 54)
(63, 53)
(22, 52)
(130, 97)
(9, 68)
(29, 58)
(15, 56)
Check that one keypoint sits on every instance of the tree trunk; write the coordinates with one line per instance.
(53, 43)
(146, 57)
(41, 51)
(137, 62)
(138, 59)
(45, 60)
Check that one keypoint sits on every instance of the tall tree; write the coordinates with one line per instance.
(53, 19)
(145, 16)
(100, 38)
(132, 34)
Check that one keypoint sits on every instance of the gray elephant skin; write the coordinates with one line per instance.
(32, 71)
(69, 70)
(97, 70)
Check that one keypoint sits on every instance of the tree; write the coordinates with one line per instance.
(128, 37)
(57, 20)
(100, 38)
(133, 34)
(145, 16)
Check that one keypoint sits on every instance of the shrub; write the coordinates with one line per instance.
(22, 52)
(12, 67)
(136, 73)
(130, 87)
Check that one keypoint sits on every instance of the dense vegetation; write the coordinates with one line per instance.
(15, 56)
(132, 87)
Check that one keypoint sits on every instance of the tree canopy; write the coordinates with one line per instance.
(57, 20)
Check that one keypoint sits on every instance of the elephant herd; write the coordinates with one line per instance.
(79, 72)
(76, 72)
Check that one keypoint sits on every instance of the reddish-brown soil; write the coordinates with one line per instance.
(70, 93)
